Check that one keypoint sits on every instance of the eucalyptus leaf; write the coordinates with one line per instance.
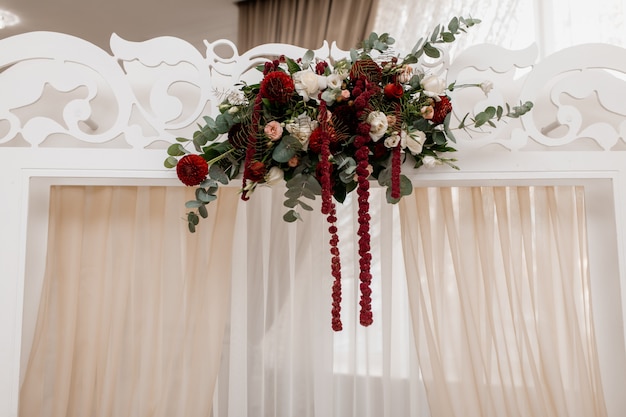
(431, 51)
(286, 149)
(453, 26)
(191, 204)
(209, 122)
(448, 37)
(170, 162)
(446, 127)
(291, 216)
(291, 202)
(313, 184)
(221, 124)
(308, 58)
(217, 173)
(176, 149)
(439, 137)
(305, 206)
(203, 212)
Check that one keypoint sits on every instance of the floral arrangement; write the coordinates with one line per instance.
(326, 129)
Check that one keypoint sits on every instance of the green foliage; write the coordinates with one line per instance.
(298, 187)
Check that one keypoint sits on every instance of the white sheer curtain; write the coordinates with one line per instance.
(512, 24)
(509, 23)
(500, 299)
(281, 357)
(133, 308)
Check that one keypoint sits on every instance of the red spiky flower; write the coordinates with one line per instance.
(442, 108)
(192, 169)
(277, 87)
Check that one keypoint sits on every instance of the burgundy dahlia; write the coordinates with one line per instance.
(192, 169)
(277, 87)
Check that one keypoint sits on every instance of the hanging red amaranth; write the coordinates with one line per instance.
(396, 158)
(365, 90)
(328, 208)
(396, 162)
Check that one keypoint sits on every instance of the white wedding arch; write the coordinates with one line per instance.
(72, 113)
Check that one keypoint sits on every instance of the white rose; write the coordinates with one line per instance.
(308, 84)
(414, 141)
(486, 86)
(378, 124)
(274, 176)
(393, 140)
(433, 86)
(301, 128)
(334, 81)
(430, 161)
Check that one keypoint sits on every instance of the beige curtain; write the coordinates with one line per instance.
(499, 289)
(305, 23)
(132, 312)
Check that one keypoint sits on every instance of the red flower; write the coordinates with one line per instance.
(393, 91)
(277, 87)
(192, 169)
(315, 140)
(256, 171)
(320, 67)
(442, 108)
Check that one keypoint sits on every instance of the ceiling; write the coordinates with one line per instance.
(133, 20)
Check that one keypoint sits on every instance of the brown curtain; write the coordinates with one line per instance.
(305, 23)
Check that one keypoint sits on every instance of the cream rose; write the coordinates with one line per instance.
(273, 130)
(301, 128)
(393, 140)
(413, 141)
(430, 161)
(308, 84)
(334, 81)
(433, 86)
(378, 124)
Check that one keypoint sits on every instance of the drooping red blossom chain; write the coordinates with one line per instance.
(396, 159)
(328, 208)
(251, 149)
(365, 90)
(396, 162)
(365, 276)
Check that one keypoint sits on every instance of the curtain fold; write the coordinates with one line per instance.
(133, 308)
(305, 23)
(500, 301)
(281, 357)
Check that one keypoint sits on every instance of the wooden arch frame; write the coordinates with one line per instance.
(71, 113)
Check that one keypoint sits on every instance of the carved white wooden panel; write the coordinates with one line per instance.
(59, 90)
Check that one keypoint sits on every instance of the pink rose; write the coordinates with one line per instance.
(273, 130)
